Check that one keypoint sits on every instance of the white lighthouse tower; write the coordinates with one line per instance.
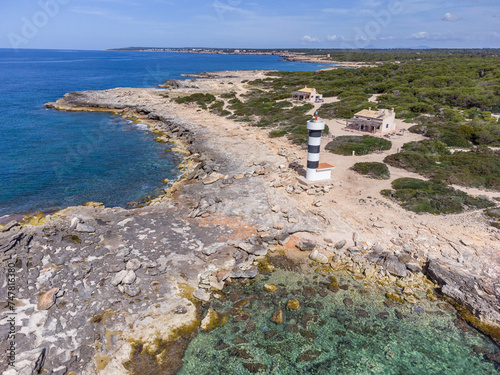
(316, 171)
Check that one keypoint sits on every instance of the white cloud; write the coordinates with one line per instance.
(309, 39)
(222, 8)
(332, 37)
(449, 17)
(420, 35)
(424, 35)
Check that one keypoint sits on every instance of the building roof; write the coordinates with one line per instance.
(307, 89)
(324, 166)
(379, 115)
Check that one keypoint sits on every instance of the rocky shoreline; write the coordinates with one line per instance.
(95, 284)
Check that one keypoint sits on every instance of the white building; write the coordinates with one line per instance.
(308, 95)
(373, 122)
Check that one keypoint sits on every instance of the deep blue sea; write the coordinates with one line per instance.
(50, 159)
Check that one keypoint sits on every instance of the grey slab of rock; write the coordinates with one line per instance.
(118, 278)
(129, 277)
(214, 248)
(132, 290)
(306, 246)
(10, 225)
(462, 285)
(373, 257)
(254, 249)
(395, 266)
(238, 273)
(466, 242)
(201, 294)
(339, 245)
(29, 362)
(84, 228)
(133, 264)
(377, 248)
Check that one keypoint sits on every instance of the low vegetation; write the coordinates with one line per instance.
(199, 98)
(493, 215)
(479, 167)
(433, 197)
(360, 145)
(378, 171)
(460, 128)
(282, 116)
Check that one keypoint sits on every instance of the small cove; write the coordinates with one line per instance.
(354, 330)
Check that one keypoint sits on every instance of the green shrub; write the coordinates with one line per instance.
(228, 95)
(432, 196)
(361, 145)
(196, 98)
(378, 171)
(477, 168)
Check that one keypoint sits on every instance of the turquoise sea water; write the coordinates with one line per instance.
(51, 159)
(350, 331)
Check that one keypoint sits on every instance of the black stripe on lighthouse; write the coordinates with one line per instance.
(315, 133)
(313, 149)
(312, 164)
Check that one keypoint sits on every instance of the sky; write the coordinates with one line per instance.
(103, 24)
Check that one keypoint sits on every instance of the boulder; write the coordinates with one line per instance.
(339, 245)
(393, 265)
(306, 246)
(318, 257)
(462, 285)
(277, 317)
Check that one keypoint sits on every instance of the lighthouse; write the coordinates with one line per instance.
(316, 171)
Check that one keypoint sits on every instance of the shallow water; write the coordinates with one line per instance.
(348, 332)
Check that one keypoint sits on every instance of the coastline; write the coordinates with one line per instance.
(236, 185)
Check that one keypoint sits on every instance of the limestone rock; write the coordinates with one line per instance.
(214, 177)
(117, 279)
(29, 362)
(132, 290)
(461, 284)
(270, 288)
(213, 320)
(318, 257)
(129, 278)
(395, 266)
(9, 226)
(293, 304)
(214, 248)
(306, 246)
(47, 299)
(277, 317)
(201, 294)
(133, 264)
(339, 245)
(254, 249)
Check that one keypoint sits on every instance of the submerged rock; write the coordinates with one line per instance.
(308, 356)
(277, 317)
(293, 304)
(255, 367)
